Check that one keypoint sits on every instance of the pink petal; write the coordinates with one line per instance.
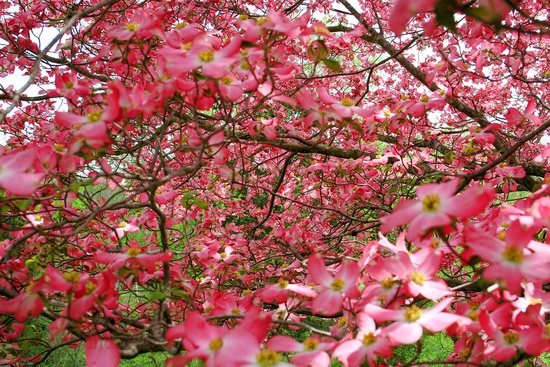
(101, 352)
(317, 270)
(283, 343)
(404, 332)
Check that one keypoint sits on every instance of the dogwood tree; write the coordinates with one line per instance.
(204, 178)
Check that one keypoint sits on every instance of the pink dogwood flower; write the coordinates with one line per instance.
(420, 278)
(369, 342)
(410, 321)
(13, 172)
(511, 258)
(310, 353)
(437, 206)
(133, 258)
(332, 289)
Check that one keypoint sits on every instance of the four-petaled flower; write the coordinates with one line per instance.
(332, 289)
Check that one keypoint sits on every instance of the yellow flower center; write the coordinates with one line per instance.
(133, 251)
(342, 322)
(338, 284)
(348, 102)
(511, 337)
(223, 255)
(245, 65)
(430, 203)
(94, 116)
(71, 277)
(132, 27)
(311, 344)
(207, 309)
(282, 284)
(186, 46)
(474, 305)
(465, 354)
(122, 225)
(206, 55)
(418, 278)
(412, 314)
(69, 85)
(262, 20)
(388, 283)
(473, 315)
(59, 148)
(535, 301)
(236, 311)
(368, 339)
(268, 358)
(424, 99)
(513, 254)
(215, 344)
(226, 80)
(38, 217)
(90, 287)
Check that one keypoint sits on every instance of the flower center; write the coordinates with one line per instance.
(337, 284)
(245, 65)
(311, 344)
(236, 311)
(90, 287)
(424, 99)
(282, 284)
(342, 322)
(133, 251)
(430, 203)
(473, 315)
(132, 27)
(388, 283)
(418, 278)
(465, 354)
(262, 20)
(413, 313)
(71, 277)
(94, 116)
(513, 254)
(206, 55)
(69, 85)
(348, 102)
(268, 358)
(215, 344)
(511, 337)
(368, 339)
(59, 148)
(226, 80)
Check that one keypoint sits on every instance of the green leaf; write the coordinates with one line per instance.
(155, 296)
(333, 65)
(188, 199)
(317, 50)
(201, 204)
(444, 15)
(22, 204)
